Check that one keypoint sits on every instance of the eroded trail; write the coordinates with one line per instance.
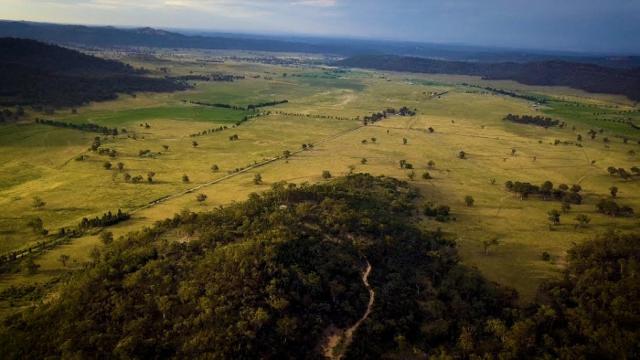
(338, 340)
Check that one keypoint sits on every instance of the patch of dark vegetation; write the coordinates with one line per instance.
(537, 120)
(588, 77)
(89, 127)
(35, 73)
(439, 213)
(375, 117)
(546, 191)
(7, 115)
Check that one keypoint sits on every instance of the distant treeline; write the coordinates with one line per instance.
(250, 107)
(8, 115)
(588, 77)
(546, 191)
(313, 116)
(533, 120)
(82, 127)
(212, 77)
(105, 220)
(538, 99)
(375, 117)
(34, 73)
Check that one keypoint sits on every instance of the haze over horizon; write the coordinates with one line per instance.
(572, 25)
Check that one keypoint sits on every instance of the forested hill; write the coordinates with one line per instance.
(588, 77)
(266, 278)
(35, 73)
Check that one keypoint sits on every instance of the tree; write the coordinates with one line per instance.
(64, 259)
(402, 163)
(489, 243)
(201, 197)
(373, 140)
(363, 161)
(38, 203)
(554, 217)
(106, 237)
(29, 266)
(404, 141)
(576, 188)
(426, 175)
(36, 225)
(150, 176)
(612, 171)
(565, 207)
(582, 220)
(194, 144)
(165, 147)
(326, 174)
(120, 166)
(411, 175)
(431, 164)
(185, 178)
(257, 179)
(286, 154)
(351, 168)
(614, 191)
(215, 168)
(107, 165)
(468, 200)
(364, 142)
(462, 155)
(127, 177)
(513, 152)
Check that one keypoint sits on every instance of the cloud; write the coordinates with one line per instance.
(318, 3)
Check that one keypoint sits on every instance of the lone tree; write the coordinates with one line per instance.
(185, 178)
(614, 191)
(201, 197)
(363, 161)
(286, 154)
(36, 225)
(107, 165)
(426, 175)
(513, 152)
(554, 217)
(326, 174)
(195, 144)
(120, 166)
(38, 203)
(488, 244)
(165, 147)
(373, 140)
(150, 176)
(64, 259)
(431, 164)
(582, 220)
(215, 168)
(106, 237)
(29, 266)
(469, 201)
(257, 179)
(462, 155)
(404, 141)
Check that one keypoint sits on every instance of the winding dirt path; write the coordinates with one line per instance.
(338, 341)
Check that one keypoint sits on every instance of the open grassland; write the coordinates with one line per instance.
(39, 161)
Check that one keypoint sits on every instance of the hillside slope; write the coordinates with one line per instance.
(35, 73)
(591, 78)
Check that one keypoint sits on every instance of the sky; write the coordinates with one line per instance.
(569, 25)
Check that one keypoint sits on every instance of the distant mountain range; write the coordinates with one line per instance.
(588, 77)
(35, 73)
(149, 37)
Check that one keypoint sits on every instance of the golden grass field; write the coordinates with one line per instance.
(38, 160)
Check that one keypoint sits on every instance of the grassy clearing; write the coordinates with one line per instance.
(38, 160)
